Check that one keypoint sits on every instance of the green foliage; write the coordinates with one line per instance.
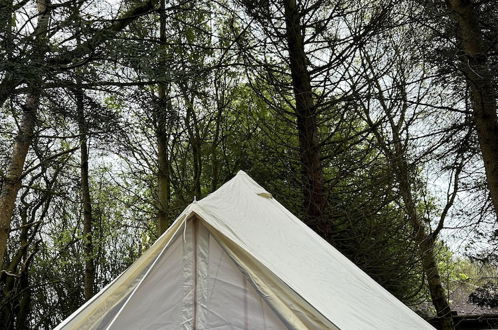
(229, 106)
(113, 102)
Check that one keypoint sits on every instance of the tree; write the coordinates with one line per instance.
(481, 80)
(313, 181)
(162, 136)
(79, 95)
(24, 137)
(12, 181)
(300, 53)
(391, 109)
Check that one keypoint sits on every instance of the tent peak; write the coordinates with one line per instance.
(256, 187)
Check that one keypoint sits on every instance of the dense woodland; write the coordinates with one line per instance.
(375, 122)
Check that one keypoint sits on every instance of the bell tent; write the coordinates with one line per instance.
(238, 259)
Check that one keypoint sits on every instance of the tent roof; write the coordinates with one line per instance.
(306, 281)
(247, 214)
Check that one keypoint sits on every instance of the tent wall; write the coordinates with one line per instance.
(191, 284)
(226, 298)
(194, 284)
(102, 306)
(156, 302)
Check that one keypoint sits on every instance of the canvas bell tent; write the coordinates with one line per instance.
(238, 259)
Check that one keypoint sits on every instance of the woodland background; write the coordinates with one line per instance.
(373, 121)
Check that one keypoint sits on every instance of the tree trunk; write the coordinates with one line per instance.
(424, 240)
(425, 243)
(162, 139)
(214, 148)
(194, 135)
(396, 153)
(14, 303)
(196, 154)
(89, 278)
(315, 198)
(195, 141)
(86, 200)
(482, 90)
(12, 180)
(23, 310)
(7, 85)
(163, 165)
(23, 289)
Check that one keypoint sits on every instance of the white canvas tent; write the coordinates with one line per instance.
(238, 259)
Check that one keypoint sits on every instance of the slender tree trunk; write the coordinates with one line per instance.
(8, 84)
(424, 240)
(395, 152)
(12, 180)
(214, 165)
(23, 310)
(195, 141)
(15, 289)
(86, 200)
(480, 80)
(10, 286)
(23, 289)
(425, 243)
(163, 165)
(162, 139)
(196, 154)
(214, 149)
(315, 197)
(192, 125)
(89, 278)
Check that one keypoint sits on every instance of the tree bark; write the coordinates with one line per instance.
(89, 278)
(195, 140)
(214, 147)
(315, 197)
(480, 80)
(163, 165)
(23, 310)
(23, 289)
(86, 200)
(196, 155)
(425, 243)
(7, 85)
(12, 180)
(162, 138)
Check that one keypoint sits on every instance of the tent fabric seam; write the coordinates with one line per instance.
(262, 264)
